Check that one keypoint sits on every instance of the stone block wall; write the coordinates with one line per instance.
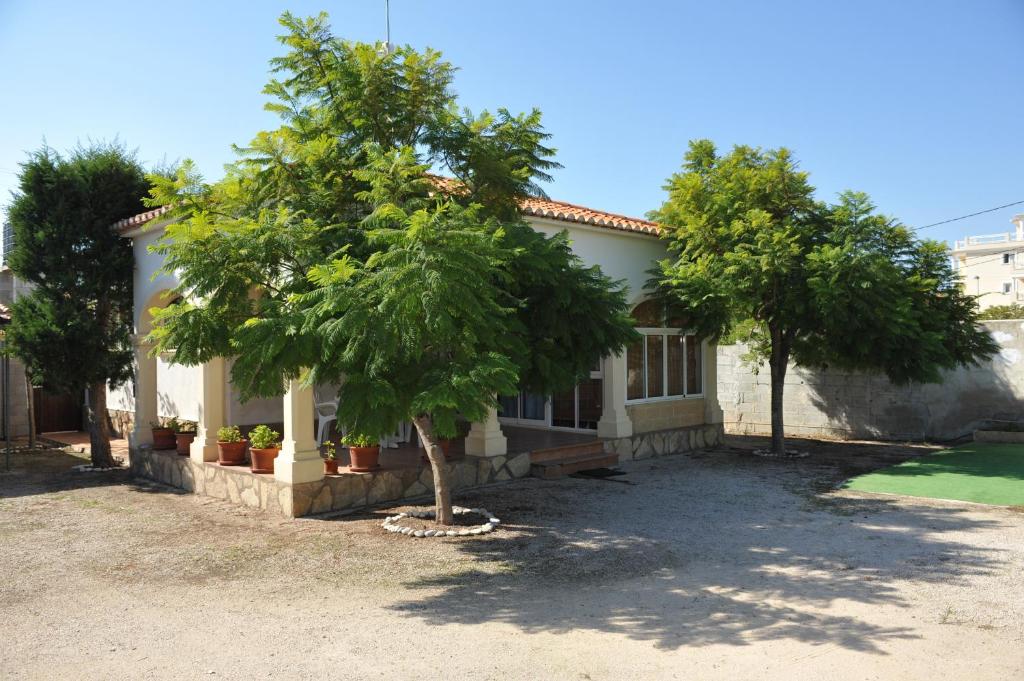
(829, 403)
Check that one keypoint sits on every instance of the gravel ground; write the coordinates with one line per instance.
(712, 566)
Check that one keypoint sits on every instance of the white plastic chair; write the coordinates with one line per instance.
(326, 413)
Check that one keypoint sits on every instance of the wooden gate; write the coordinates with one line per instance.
(57, 412)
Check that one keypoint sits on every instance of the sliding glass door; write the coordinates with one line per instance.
(576, 409)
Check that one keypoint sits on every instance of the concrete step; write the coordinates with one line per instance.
(566, 451)
(549, 470)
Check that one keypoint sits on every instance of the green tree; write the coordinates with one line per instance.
(73, 330)
(836, 285)
(1011, 311)
(328, 252)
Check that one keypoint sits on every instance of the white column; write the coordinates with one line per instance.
(212, 386)
(485, 437)
(615, 421)
(299, 460)
(712, 408)
(145, 396)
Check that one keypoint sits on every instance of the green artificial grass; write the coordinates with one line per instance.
(982, 472)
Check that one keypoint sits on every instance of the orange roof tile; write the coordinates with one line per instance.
(537, 207)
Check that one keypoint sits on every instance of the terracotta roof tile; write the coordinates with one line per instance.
(568, 212)
(537, 207)
(141, 218)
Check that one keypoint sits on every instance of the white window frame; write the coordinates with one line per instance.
(665, 333)
(1007, 287)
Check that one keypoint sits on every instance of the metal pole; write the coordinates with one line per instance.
(387, 21)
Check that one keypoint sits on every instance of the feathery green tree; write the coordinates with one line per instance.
(328, 252)
(73, 330)
(837, 285)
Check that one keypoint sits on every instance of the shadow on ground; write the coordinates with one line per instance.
(721, 548)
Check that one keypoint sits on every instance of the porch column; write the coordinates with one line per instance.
(212, 382)
(712, 407)
(485, 437)
(299, 460)
(145, 396)
(615, 421)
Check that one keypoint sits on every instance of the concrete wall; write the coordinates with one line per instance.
(857, 405)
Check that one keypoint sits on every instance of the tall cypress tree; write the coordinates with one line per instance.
(73, 331)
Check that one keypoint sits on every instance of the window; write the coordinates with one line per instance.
(1006, 258)
(1007, 286)
(666, 363)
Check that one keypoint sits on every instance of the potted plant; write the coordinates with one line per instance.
(363, 452)
(163, 436)
(444, 441)
(230, 446)
(264, 445)
(330, 459)
(184, 434)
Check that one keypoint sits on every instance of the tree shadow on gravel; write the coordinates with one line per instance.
(700, 551)
(50, 470)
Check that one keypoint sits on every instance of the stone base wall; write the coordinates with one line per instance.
(360, 490)
(122, 421)
(347, 491)
(236, 484)
(665, 442)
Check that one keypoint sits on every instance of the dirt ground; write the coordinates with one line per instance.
(719, 565)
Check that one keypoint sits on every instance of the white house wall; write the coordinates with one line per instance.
(620, 255)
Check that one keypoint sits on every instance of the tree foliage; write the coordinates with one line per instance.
(73, 330)
(329, 252)
(825, 284)
(1011, 311)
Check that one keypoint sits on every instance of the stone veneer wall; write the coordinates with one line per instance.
(122, 421)
(350, 491)
(239, 485)
(665, 442)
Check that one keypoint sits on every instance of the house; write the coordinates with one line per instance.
(992, 265)
(657, 397)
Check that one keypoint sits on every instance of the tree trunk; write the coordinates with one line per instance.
(99, 433)
(442, 494)
(778, 362)
(31, 409)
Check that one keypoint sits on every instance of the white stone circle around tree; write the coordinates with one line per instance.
(391, 523)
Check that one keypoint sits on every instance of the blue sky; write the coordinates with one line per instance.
(919, 103)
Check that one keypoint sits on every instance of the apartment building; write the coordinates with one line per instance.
(992, 265)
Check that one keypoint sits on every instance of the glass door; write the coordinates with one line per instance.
(525, 408)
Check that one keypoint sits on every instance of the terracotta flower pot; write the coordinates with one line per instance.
(163, 438)
(330, 466)
(184, 441)
(446, 446)
(364, 459)
(263, 459)
(231, 453)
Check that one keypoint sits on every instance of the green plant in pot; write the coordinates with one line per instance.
(163, 435)
(363, 452)
(184, 434)
(330, 458)
(230, 446)
(264, 446)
